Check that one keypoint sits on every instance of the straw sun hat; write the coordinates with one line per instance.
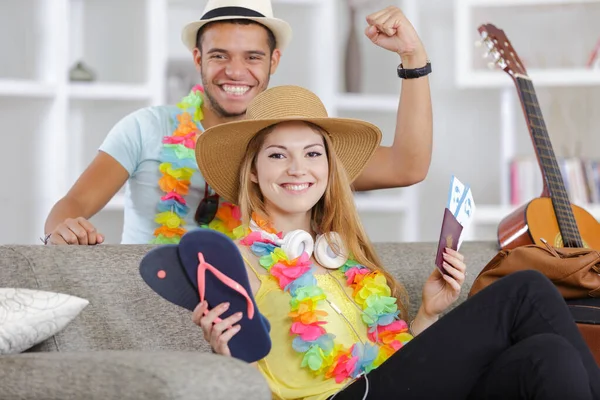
(221, 149)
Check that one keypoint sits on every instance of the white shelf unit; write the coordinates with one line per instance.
(492, 215)
(109, 91)
(513, 3)
(465, 35)
(468, 77)
(128, 45)
(26, 89)
(55, 125)
(541, 78)
(377, 103)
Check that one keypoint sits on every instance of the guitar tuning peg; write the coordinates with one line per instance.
(478, 43)
(491, 65)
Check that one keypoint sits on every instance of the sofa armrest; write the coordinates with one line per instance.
(128, 375)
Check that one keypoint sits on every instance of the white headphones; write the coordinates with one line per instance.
(298, 241)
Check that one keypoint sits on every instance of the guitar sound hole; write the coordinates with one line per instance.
(558, 242)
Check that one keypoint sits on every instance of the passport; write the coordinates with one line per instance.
(449, 237)
(458, 215)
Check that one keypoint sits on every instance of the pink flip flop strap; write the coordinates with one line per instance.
(203, 266)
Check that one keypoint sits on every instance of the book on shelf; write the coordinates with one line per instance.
(594, 60)
(580, 176)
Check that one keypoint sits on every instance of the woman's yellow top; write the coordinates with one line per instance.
(281, 367)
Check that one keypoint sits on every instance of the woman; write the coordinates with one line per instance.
(289, 168)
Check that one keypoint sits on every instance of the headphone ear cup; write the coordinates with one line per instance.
(297, 242)
(328, 257)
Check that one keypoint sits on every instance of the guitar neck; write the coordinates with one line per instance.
(553, 181)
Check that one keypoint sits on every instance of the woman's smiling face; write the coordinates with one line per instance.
(291, 168)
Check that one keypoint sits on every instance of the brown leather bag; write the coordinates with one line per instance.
(574, 271)
(586, 313)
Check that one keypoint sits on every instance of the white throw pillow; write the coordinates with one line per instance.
(28, 317)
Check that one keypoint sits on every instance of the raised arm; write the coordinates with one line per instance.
(407, 161)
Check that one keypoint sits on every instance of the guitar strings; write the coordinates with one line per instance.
(570, 218)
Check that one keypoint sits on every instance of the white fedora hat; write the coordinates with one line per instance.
(260, 11)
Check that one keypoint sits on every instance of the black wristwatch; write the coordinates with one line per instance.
(415, 72)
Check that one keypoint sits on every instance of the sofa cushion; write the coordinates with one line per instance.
(125, 314)
(129, 375)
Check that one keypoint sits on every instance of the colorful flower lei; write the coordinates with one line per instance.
(178, 164)
(322, 355)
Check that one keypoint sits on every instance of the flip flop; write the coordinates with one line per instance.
(211, 258)
(161, 270)
(169, 279)
(214, 265)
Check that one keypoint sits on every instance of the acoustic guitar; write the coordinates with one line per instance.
(550, 217)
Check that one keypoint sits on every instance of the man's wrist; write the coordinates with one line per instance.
(414, 65)
(414, 60)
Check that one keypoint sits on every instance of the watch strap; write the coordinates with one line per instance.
(414, 72)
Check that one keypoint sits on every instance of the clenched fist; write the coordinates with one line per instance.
(391, 30)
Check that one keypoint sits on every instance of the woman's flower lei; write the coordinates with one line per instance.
(387, 333)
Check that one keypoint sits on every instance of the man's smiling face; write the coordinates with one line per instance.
(235, 61)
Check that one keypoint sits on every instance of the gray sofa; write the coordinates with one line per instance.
(129, 343)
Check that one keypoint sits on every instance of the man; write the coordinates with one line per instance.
(236, 46)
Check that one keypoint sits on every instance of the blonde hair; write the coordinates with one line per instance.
(325, 214)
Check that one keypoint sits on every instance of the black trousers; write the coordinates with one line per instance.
(516, 339)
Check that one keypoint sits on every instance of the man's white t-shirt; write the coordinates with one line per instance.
(136, 143)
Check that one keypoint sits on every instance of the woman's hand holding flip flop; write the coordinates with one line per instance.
(219, 333)
(207, 268)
